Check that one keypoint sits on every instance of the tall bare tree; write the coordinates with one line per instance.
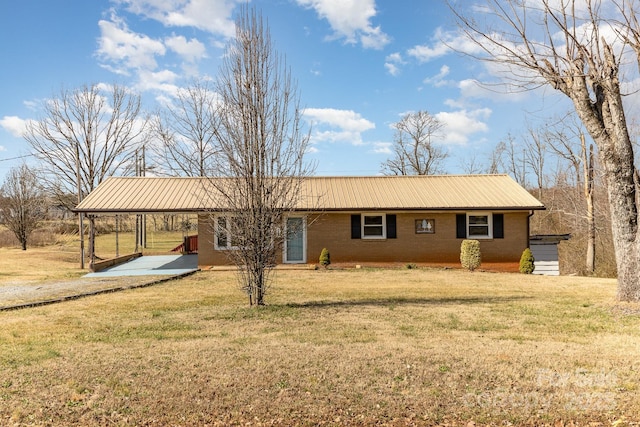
(535, 154)
(22, 203)
(578, 48)
(414, 149)
(84, 136)
(511, 156)
(262, 147)
(186, 131)
(567, 140)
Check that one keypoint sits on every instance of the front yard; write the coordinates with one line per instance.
(346, 347)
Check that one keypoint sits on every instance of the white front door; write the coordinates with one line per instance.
(295, 245)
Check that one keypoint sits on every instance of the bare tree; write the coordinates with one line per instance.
(186, 131)
(535, 151)
(512, 156)
(84, 136)
(22, 203)
(262, 147)
(414, 151)
(578, 48)
(472, 165)
(566, 139)
(495, 158)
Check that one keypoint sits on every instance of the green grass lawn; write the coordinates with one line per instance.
(336, 347)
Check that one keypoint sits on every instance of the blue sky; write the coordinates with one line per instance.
(360, 65)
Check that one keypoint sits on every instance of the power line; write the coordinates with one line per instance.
(16, 158)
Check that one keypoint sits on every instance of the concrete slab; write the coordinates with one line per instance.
(152, 265)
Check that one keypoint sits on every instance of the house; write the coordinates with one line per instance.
(374, 219)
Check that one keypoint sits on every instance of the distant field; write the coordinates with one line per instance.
(338, 347)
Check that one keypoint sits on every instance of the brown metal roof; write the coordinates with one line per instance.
(442, 192)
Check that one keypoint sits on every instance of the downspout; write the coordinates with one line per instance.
(531, 212)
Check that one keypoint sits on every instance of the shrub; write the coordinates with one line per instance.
(325, 258)
(470, 256)
(527, 262)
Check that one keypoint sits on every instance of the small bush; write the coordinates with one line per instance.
(527, 262)
(325, 258)
(470, 256)
(410, 266)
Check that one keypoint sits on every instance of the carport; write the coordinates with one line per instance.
(174, 196)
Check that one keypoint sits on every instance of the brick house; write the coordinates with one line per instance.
(375, 219)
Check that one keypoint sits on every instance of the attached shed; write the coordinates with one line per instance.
(544, 248)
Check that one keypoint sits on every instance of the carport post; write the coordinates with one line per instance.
(81, 234)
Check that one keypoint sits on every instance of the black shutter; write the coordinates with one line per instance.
(461, 226)
(391, 227)
(355, 227)
(498, 226)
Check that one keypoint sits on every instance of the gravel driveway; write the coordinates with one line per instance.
(14, 296)
(142, 271)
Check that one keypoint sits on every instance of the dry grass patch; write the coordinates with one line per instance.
(39, 264)
(351, 347)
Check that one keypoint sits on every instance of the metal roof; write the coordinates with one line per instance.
(433, 192)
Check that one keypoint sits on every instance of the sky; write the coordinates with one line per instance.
(360, 66)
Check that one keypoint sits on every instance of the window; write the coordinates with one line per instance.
(479, 226)
(224, 235)
(373, 226)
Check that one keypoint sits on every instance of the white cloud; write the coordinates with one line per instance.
(392, 68)
(392, 63)
(124, 49)
(163, 81)
(213, 16)
(332, 125)
(460, 125)
(374, 38)
(503, 91)
(351, 20)
(14, 125)
(395, 57)
(382, 147)
(443, 44)
(191, 50)
(31, 105)
(439, 79)
(344, 119)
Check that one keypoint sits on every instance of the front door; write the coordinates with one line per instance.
(295, 243)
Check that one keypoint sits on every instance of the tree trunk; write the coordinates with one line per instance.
(603, 115)
(587, 162)
(624, 220)
(616, 154)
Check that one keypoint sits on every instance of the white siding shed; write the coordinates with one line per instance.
(545, 253)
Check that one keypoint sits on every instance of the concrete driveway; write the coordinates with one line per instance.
(152, 265)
